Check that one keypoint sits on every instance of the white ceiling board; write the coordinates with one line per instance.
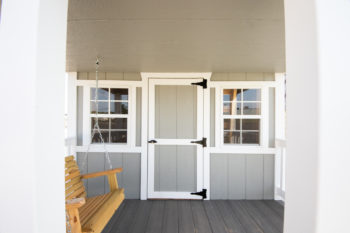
(176, 36)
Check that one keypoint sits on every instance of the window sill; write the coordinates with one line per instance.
(111, 147)
(242, 149)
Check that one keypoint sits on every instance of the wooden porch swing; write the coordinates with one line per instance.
(87, 215)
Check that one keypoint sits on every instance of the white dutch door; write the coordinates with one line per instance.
(175, 155)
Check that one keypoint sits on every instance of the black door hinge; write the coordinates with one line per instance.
(203, 84)
(152, 141)
(202, 142)
(202, 193)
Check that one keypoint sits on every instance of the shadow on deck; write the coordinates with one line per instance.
(177, 216)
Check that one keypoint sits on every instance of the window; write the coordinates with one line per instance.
(113, 114)
(241, 116)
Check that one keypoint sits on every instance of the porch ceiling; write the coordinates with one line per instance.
(176, 36)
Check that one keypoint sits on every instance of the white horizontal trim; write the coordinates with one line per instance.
(110, 148)
(242, 117)
(241, 150)
(110, 83)
(205, 75)
(173, 195)
(242, 84)
(175, 141)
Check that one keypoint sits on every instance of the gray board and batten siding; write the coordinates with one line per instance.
(239, 176)
(233, 176)
(129, 179)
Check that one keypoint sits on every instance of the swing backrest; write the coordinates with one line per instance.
(74, 185)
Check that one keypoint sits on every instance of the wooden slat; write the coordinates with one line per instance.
(74, 188)
(101, 217)
(92, 206)
(76, 193)
(71, 169)
(73, 175)
(102, 173)
(71, 163)
(69, 158)
(73, 182)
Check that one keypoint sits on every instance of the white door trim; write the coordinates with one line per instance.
(151, 135)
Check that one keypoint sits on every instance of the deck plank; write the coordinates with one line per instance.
(250, 226)
(186, 224)
(141, 218)
(216, 221)
(200, 219)
(171, 217)
(270, 215)
(259, 217)
(229, 217)
(114, 218)
(125, 221)
(276, 207)
(155, 220)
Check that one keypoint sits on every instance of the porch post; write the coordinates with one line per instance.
(318, 116)
(32, 58)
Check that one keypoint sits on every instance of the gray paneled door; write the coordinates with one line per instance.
(175, 163)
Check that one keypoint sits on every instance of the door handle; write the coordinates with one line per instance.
(152, 141)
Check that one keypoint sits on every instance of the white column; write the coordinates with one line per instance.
(32, 61)
(318, 116)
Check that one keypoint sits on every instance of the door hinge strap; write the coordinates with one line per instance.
(202, 193)
(202, 142)
(202, 84)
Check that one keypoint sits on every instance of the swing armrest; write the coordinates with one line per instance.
(103, 173)
(75, 203)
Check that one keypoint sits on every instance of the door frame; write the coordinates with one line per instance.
(145, 189)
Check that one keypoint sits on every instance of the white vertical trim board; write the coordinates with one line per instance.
(71, 102)
(144, 143)
(206, 134)
(86, 116)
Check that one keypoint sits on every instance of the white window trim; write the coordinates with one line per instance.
(131, 124)
(264, 117)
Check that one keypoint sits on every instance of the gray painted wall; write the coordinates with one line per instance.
(239, 176)
(129, 179)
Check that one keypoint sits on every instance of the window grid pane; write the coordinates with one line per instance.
(241, 111)
(113, 103)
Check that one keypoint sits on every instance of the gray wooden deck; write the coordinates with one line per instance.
(171, 216)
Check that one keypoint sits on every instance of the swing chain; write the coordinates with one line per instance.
(97, 127)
